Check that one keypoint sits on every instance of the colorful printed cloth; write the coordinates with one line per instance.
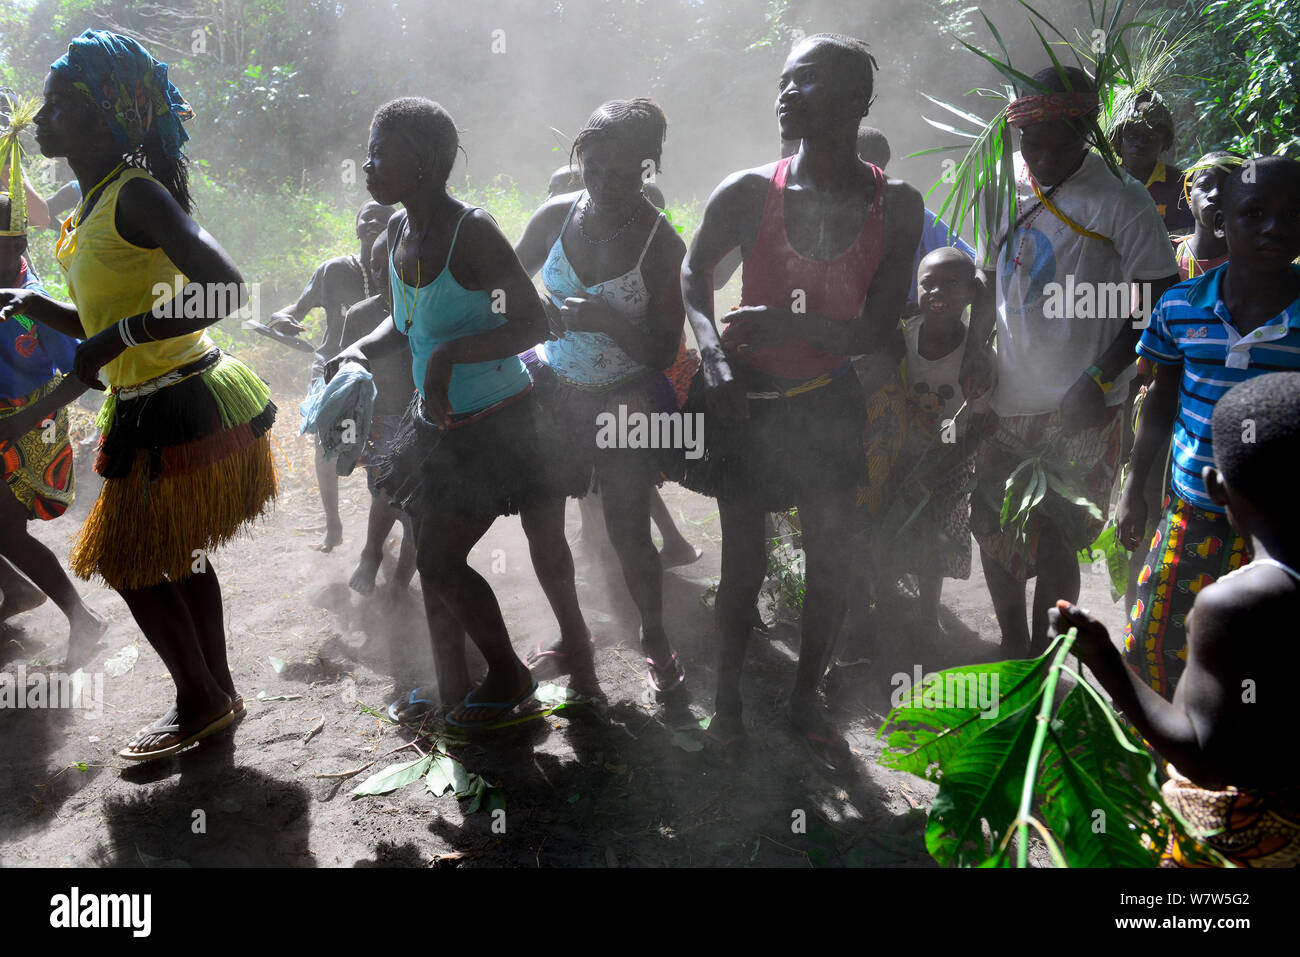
(683, 370)
(1028, 110)
(38, 466)
(1191, 548)
(1249, 828)
(31, 354)
(1097, 450)
(130, 88)
(884, 436)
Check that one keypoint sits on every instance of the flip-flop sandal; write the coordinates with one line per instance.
(500, 709)
(411, 699)
(211, 728)
(655, 673)
(550, 662)
(830, 751)
(723, 748)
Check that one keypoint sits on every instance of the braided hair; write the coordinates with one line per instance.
(638, 124)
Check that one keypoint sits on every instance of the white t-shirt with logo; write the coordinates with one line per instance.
(1057, 289)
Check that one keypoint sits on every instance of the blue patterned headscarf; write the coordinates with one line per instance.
(130, 88)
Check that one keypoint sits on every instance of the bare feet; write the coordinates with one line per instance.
(86, 630)
(405, 569)
(363, 578)
(678, 553)
(333, 537)
(20, 596)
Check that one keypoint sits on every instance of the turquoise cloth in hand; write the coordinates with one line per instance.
(340, 414)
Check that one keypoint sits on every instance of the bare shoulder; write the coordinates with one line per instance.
(479, 227)
(904, 198)
(743, 187)
(1239, 602)
(667, 241)
(147, 215)
(550, 216)
(142, 197)
(901, 191)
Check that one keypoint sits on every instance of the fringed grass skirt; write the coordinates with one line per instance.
(572, 424)
(187, 466)
(488, 465)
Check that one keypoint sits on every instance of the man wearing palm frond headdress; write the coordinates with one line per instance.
(1066, 274)
(1140, 138)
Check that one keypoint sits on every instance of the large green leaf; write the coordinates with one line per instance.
(1097, 787)
(981, 784)
(919, 739)
(394, 776)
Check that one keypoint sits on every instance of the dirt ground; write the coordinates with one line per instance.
(591, 785)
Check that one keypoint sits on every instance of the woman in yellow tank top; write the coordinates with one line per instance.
(185, 451)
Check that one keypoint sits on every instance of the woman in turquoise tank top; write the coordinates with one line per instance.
(467, 449)
(615, 335)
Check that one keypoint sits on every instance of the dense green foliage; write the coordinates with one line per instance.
(1243, 94)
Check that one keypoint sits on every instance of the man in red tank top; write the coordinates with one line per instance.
(828, 244)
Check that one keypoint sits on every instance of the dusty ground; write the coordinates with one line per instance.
(588, 785)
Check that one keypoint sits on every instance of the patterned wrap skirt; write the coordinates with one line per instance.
(1094, 453)
(38, 465)
(1191, 548)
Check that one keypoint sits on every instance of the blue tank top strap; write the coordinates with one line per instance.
(456, 233)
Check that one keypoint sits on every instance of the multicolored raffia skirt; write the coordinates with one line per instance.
(1191, 548)
(187, 465)
(1092, 454)
(38, 465)
(572, 428)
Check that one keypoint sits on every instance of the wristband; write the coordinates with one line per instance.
(1097, 376)
(125, 333)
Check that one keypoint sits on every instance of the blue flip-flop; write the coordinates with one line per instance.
(502, 709)
(411, 699)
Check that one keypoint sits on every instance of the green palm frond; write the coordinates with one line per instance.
(21, 114)
(982, 190)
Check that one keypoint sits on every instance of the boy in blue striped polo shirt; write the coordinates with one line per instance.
(1235, 322)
